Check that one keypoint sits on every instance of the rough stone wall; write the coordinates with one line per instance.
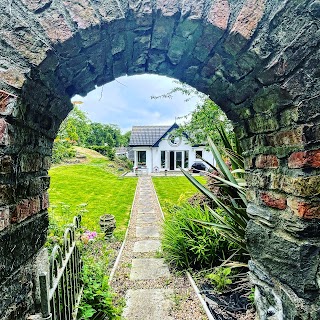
(258, 59)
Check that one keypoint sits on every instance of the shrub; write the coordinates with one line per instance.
(97, 298)
(105, 151)
(62, 149)
(220, 278)
(124, 162)
(189, 244)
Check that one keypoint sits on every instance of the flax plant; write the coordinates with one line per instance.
(229, 204)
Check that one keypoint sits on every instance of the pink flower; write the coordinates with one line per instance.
(90, 234)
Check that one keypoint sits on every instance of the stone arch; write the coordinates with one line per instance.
(258, 59)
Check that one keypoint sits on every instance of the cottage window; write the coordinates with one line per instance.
(178, 159)
(163, 159)
(198, 153)
(186, 159)
(142, 158)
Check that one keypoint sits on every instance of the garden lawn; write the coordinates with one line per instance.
(102, 191)
(174, 190)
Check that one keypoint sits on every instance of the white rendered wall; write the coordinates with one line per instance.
(153, 155)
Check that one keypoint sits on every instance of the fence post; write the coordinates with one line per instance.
(45, 305)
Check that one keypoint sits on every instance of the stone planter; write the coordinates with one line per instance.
(107, 224)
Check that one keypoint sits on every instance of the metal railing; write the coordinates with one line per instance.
(61, 289)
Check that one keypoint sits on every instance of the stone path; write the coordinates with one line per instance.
(150, 291)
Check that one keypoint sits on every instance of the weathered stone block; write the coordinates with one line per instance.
(21, 242)
(111, 10)
(248, 18)
(4, 218)
(292, 137)
(81, 13)
(162, 33)
(55, 25)
(290, 261)
(4, 138)
(6, 194)
(302, 186)
(45, 201)
(305, 210)
(264, 215)
(270, 99)
(304, 159)
(267, 161)
(312, 133)
(38, 185)
(289, 117)
(178, 46)
(258, 180)
(263, 123)
(168, 8)
(30, 162)
(299, 186)
(7, 103)
(219, 14)
(193, 9)
(25, 209)
(6, 164)
(16, 298)
(273, 200)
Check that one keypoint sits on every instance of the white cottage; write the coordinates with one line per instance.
(156, 149)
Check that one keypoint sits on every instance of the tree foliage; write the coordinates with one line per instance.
(79, 129)
(204, 120)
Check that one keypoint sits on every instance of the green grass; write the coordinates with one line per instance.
(93, 183)
(174, 190)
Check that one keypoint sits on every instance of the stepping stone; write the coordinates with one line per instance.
(147, 269)
(147, 232)
(146, 210)
(148, 304)
(146, 198)
(144, 203)
(146, 246)
(145, 218)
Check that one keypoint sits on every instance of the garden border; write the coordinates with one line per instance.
(191, 280)
(116, 263)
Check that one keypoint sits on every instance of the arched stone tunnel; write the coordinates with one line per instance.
(257, 59)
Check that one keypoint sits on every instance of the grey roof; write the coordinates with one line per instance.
(147, 135)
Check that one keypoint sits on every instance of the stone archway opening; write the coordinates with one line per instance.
(258, 59)
(144, 99)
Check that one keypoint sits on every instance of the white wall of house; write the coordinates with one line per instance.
(168, 156)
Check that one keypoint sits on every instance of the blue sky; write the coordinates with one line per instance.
(127, 102)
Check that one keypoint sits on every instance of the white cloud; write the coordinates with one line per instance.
(127, 102)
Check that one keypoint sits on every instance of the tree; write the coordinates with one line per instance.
(75, 127)
(104, 135)
(125, 139)
(203, 121)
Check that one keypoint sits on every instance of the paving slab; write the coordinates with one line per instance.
(143, 200)
(147, 246)
(146, 218)
(147, 231)
(146, 210)
(148, 304)
(147, 269)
